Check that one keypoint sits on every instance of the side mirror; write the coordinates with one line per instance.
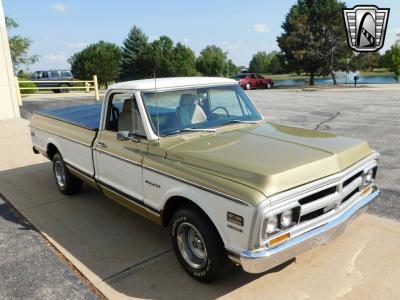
(126, 136)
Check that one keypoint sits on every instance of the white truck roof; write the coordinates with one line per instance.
(172, 82)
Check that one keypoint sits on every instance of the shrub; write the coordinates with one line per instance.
(30, 85)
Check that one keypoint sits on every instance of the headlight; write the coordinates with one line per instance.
(275, 223)
(286, 218)
(271, 225)
(369, 177)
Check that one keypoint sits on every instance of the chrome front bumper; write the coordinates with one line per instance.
(260, 261)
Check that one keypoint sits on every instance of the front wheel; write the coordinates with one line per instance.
(197, 245)
(247, 86)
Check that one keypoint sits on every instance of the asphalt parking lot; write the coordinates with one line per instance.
(125, 256)
(368, 114)
(35, 270)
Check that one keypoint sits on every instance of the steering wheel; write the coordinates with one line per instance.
(221, 107)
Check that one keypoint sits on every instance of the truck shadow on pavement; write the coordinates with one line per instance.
(121, 253)
(8, 213)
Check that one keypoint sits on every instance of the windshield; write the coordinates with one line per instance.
(241, 76)
(203, 108)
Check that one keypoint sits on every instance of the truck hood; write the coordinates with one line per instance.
(270, 158)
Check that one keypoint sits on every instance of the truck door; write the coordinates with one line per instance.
(118, 163)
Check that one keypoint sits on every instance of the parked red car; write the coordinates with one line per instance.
(254, 81)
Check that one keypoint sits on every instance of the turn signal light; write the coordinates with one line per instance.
(278, 239)
(366, 191)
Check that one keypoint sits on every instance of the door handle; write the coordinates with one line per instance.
(101, 145)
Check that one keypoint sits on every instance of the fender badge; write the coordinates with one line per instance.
(235, 219)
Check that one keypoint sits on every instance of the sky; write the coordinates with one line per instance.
(60, 28)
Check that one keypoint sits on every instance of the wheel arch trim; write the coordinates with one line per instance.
(51, 142)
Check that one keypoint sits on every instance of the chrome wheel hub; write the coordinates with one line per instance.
(60, 173)
(191, 245)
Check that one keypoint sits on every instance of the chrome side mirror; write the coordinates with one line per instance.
(126, 136)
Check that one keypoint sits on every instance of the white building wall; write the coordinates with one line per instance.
(8, 95)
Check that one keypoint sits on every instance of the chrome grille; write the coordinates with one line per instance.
(351, 179)
(331, 198)
(356, 190)
(319, 195)
(320, 201)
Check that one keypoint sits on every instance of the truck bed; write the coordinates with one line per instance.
(86, 116)
(71, 130)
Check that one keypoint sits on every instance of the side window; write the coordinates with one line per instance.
(66, 74)
(45, 75)
(123, 114)
(54, 74)
(253, 76)
(259, 76)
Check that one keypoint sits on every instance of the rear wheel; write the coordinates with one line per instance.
(269, 85)
(64, 90)
(66, 182)
(197, 245)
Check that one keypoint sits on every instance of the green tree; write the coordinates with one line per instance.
(141, 59)
(212, 61)
(184, 61)
(263, 62)
(260, 62)
(133, 66)
(19, 47)
(164, 59)
(395, 60)
(275, 64)
(232, 69)
(158, 57)
(313, 39)
(369, 60)
(386, 59)
(102, 59)
(391, 59)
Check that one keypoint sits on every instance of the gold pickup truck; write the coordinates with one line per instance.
(196, 155)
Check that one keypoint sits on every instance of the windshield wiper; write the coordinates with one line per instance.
(212, 129)
(240, 121)
(195, 129)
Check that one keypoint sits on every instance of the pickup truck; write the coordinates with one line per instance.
(195, 155)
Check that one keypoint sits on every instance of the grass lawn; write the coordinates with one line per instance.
(304, 76)
(290, 76)
(377, 73)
